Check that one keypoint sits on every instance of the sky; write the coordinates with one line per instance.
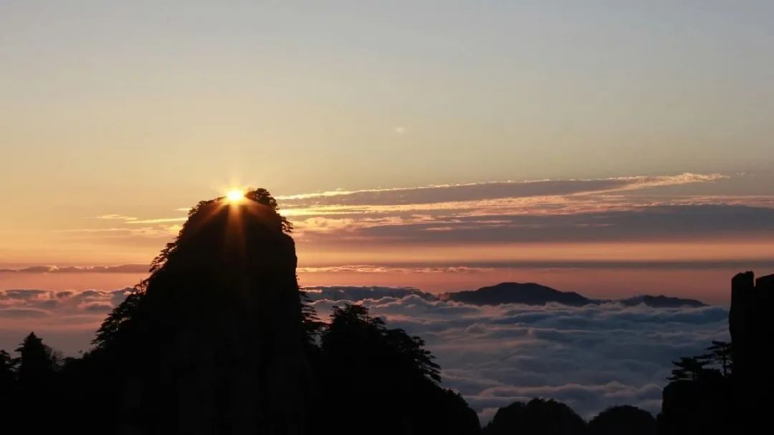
(605, 147)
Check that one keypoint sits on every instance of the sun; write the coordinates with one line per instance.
(235, 195)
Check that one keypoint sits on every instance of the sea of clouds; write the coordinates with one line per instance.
(589, 357)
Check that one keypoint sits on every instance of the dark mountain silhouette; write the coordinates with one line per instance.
(752, 337)
(729, 389)
(660, 302)
(539, 416)
(625, 419)
(700, 405)
(537, 294)
(549, 417)
(517, 293)
(216, 329)
(219, 340)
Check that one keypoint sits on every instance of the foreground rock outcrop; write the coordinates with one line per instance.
(752, 335)
(737, 397)
(218, 341)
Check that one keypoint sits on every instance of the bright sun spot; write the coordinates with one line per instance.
(235, 195)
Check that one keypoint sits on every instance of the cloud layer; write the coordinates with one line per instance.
(67, 320)
(573, 210)
(589, 357)
(491, 190)
(57, 308)
(636, 208)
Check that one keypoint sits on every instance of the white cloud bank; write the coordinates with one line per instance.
(589, 357)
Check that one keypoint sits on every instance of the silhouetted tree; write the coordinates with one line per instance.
(312, 326)
(403, 353)
(38, 386)
(37, 361)
(385, 380)
(116, 323)
(7, 368)
(689, 368)
(720, 353)
(7, 380)
(263, 197)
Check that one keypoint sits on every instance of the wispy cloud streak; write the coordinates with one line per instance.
(490, 190)
(121, 268)
(632, 208)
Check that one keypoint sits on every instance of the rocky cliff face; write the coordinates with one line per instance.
(752, 334)
(740, 403)
(220, 324)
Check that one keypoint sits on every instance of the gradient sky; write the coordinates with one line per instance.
(599, 146)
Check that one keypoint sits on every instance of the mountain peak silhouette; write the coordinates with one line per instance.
(538, 294)
(217, 330)
(517, 293)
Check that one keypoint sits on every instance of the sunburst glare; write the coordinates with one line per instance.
(235, 195)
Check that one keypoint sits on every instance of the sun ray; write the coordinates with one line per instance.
(235, 196)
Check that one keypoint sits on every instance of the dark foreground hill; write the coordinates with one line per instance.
(218, 341)
(537, 294)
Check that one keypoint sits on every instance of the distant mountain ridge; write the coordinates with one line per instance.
(537, 294)
(660, 301)
(503, 293)
(517, 293)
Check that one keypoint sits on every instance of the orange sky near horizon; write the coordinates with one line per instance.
(681, 235)
(710, 285)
